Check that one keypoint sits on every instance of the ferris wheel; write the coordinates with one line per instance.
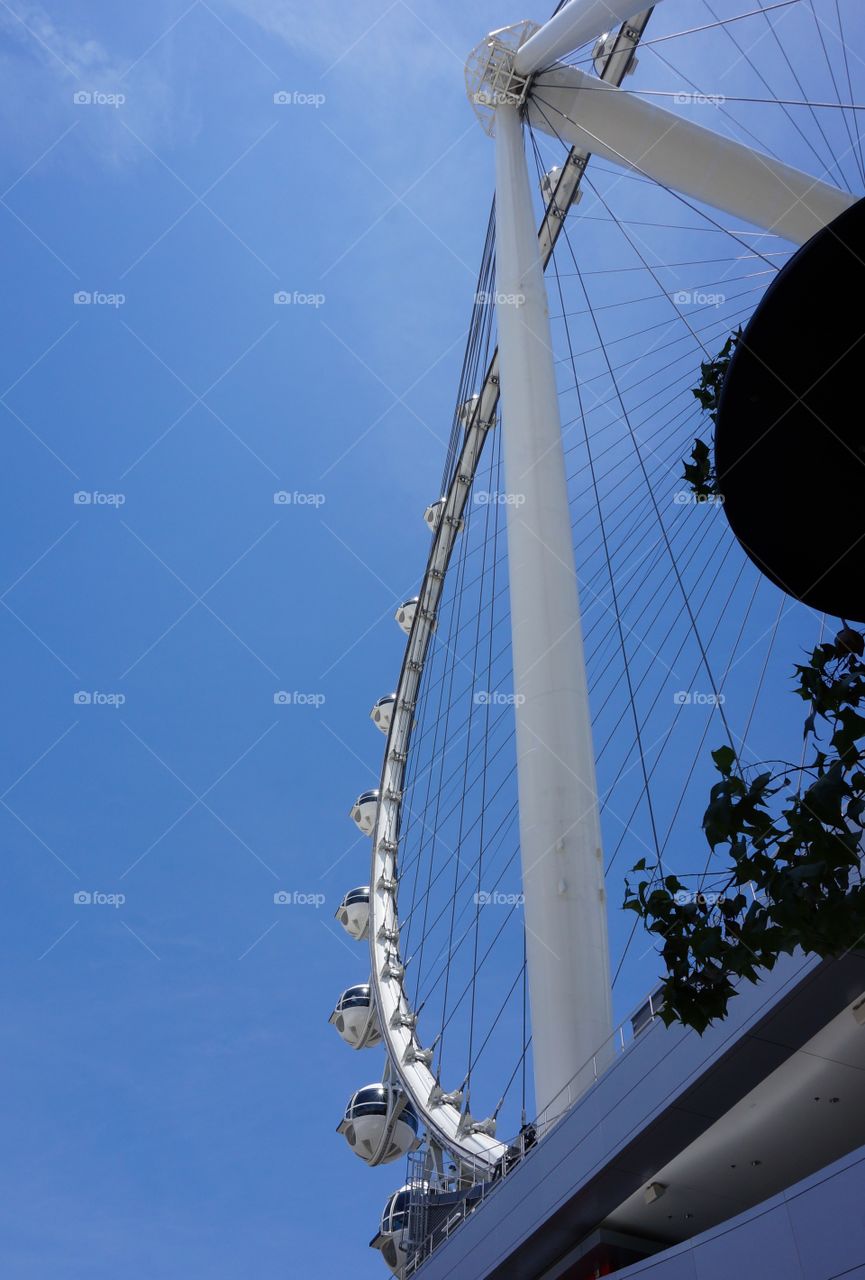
(583, 628)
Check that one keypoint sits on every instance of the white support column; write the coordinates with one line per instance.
(562, 864)
(686, 157)
(575, 24)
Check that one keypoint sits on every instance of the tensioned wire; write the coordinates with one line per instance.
(513, 855)
(642, 464)
(591, 653)
(483, 798)
(762, 674)
(478, 347)
(548, 110)
(692, 619)
(500, 931)
(476, 357)
(857, 157)
(581, 57)
(743, 54)
(674, 456)
(492, 624)
(406, 863)
(603, 530)
(635, 522)
(463, 794)
(689, 376)
(703, 535)
(450, 661)
(844, 48)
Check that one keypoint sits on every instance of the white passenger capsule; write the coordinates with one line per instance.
(467, 411)
(364, 810)
(393, 1239)
(354, 1017)
(353, 912)
(433, 513)
(382, 712)
(406, 612)
(373, 1129)
(604, 46)
(550, 181)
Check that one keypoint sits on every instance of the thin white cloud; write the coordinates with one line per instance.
(44, 62)
(318, 30)
(391, 43)
(40, 39)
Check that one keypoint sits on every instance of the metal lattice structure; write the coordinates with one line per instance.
(520, 79)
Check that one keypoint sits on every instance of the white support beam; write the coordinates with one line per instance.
(575, 24)
(686, 157)
(560, 841)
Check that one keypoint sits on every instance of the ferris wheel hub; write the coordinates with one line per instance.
(491, 76)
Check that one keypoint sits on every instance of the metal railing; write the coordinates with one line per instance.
(425, 1239)
(618, 1042)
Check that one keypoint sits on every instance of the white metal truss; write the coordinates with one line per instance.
(686, 157)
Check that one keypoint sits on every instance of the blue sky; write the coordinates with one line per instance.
(170, 1083)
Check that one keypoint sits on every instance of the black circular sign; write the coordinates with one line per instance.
(790, 431)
